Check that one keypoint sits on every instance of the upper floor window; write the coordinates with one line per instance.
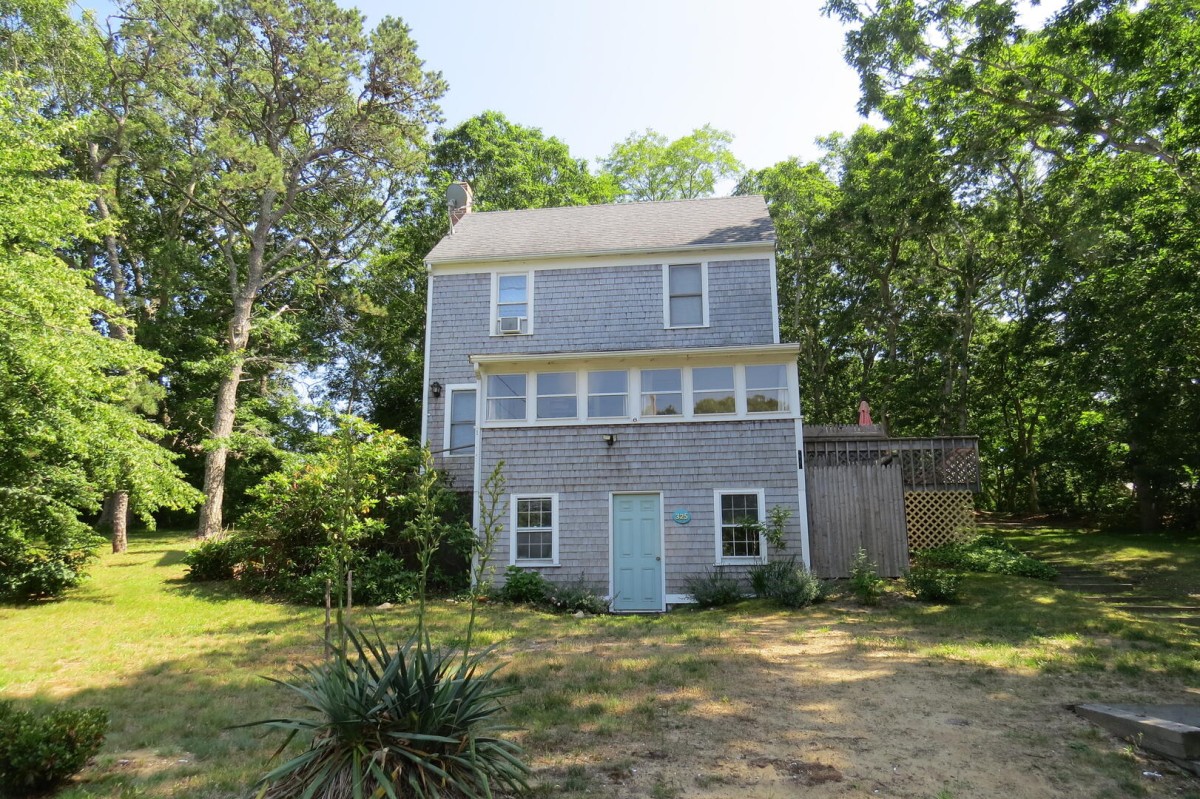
(506, 397)
(608, 392)
(766, 388)
(662, 392)
(512, 303)
(556, 395)
(460, 425)
(712, 390)
(686, 303)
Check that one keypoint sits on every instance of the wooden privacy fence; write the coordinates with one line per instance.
(856, 506)
(885, 495)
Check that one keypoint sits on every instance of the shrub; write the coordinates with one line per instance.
(986, 553)
(931, 584)
(575, 596)
(45, 568)
(524, 587)
(38, 753)
(382, 578)
(714, 589)
(784, 582)
(766, 578)
(800, 589)
(864, 580)
(405, 722)
(213, 559)
(360, 498)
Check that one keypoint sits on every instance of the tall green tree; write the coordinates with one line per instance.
(293, 130)
(650, 167)
(1103, 101)
(70, 429)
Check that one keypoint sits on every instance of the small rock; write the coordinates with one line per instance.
(959, 722)
(579, 614)
(384, 606)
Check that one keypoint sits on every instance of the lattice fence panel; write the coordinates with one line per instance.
(934, 518)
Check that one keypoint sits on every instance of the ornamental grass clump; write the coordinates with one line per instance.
(400, 723)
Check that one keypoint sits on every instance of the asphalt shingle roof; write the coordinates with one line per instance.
(622, 227)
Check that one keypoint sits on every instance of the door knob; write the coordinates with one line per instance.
(658, 557)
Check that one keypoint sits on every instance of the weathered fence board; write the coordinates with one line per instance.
(852, 506)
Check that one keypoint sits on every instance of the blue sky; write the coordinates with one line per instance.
(590, 72)
(771, 72)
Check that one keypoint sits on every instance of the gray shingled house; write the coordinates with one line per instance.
(624, 362)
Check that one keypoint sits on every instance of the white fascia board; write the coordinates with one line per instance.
(579, 260)
(750, 353)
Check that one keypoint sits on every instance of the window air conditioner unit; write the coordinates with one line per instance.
(511, 324)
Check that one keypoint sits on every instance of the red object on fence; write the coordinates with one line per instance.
(864, 414)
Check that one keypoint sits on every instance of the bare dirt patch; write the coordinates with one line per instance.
(790, 708)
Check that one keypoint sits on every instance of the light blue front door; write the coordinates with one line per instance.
(637, 552)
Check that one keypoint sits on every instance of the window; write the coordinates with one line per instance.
(506, 397)
(511, 295)
(712, 390)
(607, 393)
(738, 514)
(556, 395)
(460, 424)
(685, 296)
(766, 388)
(662, 392)
(535, 529)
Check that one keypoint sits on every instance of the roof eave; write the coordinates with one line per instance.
(684, 353)
(736, 245)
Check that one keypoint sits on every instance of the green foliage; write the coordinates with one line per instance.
(43, 567)
(524, 586)
(40, 752)
(932, 584)
(403, 722)
(714, 589)
(359, 501)
(70, 431)
(214, 559)
(648, 166)
(865, 582)
(577, 596)
(986, 553)
(786, 583)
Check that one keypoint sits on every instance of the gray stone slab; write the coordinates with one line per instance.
(1171, 730)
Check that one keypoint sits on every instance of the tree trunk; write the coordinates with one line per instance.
(120, 521)
(210, 523)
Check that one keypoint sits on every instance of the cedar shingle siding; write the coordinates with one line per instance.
(598, 288)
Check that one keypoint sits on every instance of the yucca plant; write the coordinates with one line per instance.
(405, 722)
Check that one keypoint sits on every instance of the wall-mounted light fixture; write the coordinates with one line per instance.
(609, 438)
(435, 389)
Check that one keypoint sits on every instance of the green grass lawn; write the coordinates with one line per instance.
(178, 665)
(1161, 563)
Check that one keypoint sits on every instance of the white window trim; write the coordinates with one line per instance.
(512, 529)
(487, 398)
(585, 394)
(788, 386)
(449, 394)
(721, 559)
(739, 398)
(666, 273)
(494, 319)
(634, 399)
(537, 395)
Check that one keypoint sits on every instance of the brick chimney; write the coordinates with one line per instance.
(458, 200)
